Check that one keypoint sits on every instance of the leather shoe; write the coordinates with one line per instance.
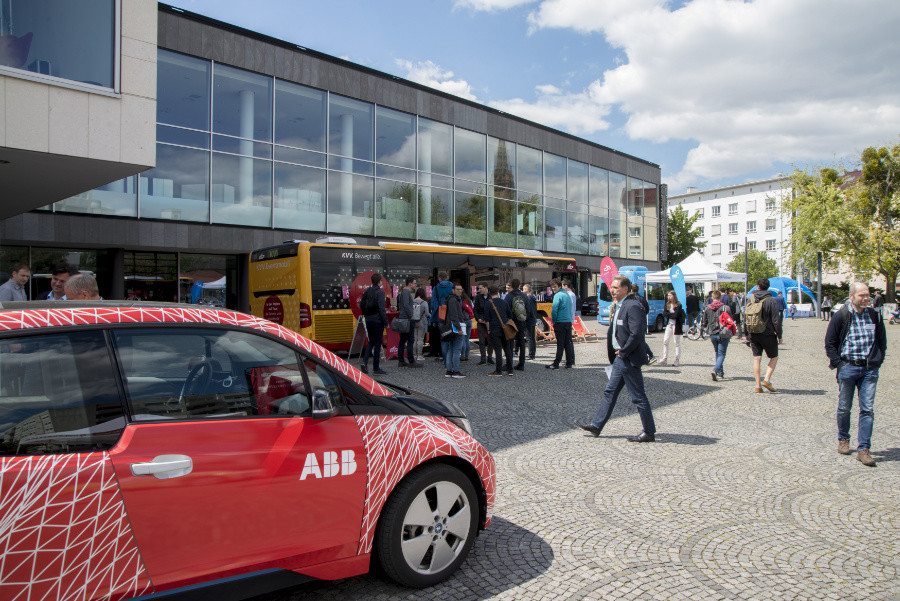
(590, 428)
(642, 437)
(520, 367)
(552, 366)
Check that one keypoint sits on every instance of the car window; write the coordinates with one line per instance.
(321, 377)
(193, 373)
(58, 394)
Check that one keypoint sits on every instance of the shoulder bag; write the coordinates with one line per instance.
(509, 328)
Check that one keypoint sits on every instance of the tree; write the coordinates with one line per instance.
(853, 221)
(683, 236)
(759, 265)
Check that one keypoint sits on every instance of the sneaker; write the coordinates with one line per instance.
(363, 368)
(768, 386)
(496, 373)
(662, 362)
(449, 374)
(456, 374)
(715, 377)
(864, 457)
(552, 366)
(676, 363)
(463, 358)
(510, 373)
(482, 362)
(844, 446)
(402, 364)
(652, 361)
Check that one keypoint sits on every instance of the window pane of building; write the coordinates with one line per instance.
(554, 175)
(43, 260)
(577, 233)
(350, 203)
(716, 249)
(395, 209)
(617, 237)
(635, 241)
(617, 192)
(435, 214)
(716, 230)
(635, 196)
(435, 147)
(770, 225)
(651, 200)
(470, 218)
(733, 208)
(555, 230)
(751, 227)
(732, 248)
(241, 190)
(299, 116)
(501, 222)
(73, 40)
(751, 245)
(732, 228)
(177, 188)
(242, 103)
(182, 90)
(530, 226)
(218, 274)
(716, 211)
(651, 243)
(530, 169)
(501, 165)
(350, 128)
(182, 137)
(599, 190)
(577, 184)
(299, 197)
(599, 235)
(396, 138)
(151, 276)
(470, 155)
(116, 198)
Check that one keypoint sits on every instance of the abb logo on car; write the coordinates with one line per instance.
(330, 465)
(133, 453)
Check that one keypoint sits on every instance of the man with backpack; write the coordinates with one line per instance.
(518, 306)
(720, 326)
(763, 324)
(438, 297)
(407, 338)
(372, 306)
(856, 343)
(481, 319)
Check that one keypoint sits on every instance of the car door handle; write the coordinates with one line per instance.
(164, 466)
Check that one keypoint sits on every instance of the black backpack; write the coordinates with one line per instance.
(367, 303)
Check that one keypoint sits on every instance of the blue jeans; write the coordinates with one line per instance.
(850, 378)
(721, 347)
(623, 375)
(466, 343)
(451, 350)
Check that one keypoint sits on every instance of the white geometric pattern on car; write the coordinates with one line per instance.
(63, 531)
(396, 444)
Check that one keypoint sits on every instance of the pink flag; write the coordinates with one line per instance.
(608, 271)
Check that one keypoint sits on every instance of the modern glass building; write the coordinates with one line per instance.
(258, 141)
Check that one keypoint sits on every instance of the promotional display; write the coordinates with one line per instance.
(608, 270)
(678, 284)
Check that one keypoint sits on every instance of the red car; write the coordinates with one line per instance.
(150, 447)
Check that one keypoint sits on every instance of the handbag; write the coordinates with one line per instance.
(442, 312)
(400, 325)
(509, 328)
(449, 330)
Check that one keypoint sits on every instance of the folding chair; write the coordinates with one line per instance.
(541, 336)
(582, 333)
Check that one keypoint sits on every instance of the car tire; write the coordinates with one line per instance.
(428, 526)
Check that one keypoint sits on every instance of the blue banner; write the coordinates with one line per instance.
(677, 277)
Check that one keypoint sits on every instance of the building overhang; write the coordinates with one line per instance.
(29, 180)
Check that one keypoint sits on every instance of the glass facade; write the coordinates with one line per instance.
(237, 147)
(60, 38)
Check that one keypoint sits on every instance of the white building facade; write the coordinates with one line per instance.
(734, 215)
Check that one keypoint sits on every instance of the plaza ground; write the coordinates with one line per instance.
(743, 496)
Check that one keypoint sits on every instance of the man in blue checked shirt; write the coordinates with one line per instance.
(856, 343)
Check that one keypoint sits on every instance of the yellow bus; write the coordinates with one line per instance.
(312, 287)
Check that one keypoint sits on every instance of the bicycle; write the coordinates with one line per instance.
(695, 332)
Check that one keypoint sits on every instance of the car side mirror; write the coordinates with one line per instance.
(322, 407)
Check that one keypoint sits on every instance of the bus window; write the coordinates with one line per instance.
(604, 294)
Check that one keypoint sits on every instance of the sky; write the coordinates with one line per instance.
(716, 92)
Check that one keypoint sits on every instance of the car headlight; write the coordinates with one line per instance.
(463, 424)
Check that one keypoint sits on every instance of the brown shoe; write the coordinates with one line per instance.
(768, 386)
(757, 390)
(844, 446)
(865, 458)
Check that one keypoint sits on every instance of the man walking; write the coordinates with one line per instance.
(518, 305)
(478, 307)
(14, 288)
(561, 316)
(567, 288)
(407, 338)
(625, 338)
(856, 343)
(531, 321)
(761, 317)
(712, 323)
(497, 312)
(692, 307)
(372, 306)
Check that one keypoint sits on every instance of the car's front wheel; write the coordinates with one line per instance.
(428, 526)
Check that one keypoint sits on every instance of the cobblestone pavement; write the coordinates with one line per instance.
(743, 496)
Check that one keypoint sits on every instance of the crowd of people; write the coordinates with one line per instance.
(66, 283)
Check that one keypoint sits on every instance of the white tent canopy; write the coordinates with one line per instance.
(697, 269)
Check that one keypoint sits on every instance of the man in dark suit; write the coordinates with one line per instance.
(628, 352)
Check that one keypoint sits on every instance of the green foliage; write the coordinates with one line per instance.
(683, 236)
(759, 265)
(856, 223)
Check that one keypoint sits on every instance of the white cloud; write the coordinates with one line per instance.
(430, 74)
(753, 83)
(490, 5)
(577, 113)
